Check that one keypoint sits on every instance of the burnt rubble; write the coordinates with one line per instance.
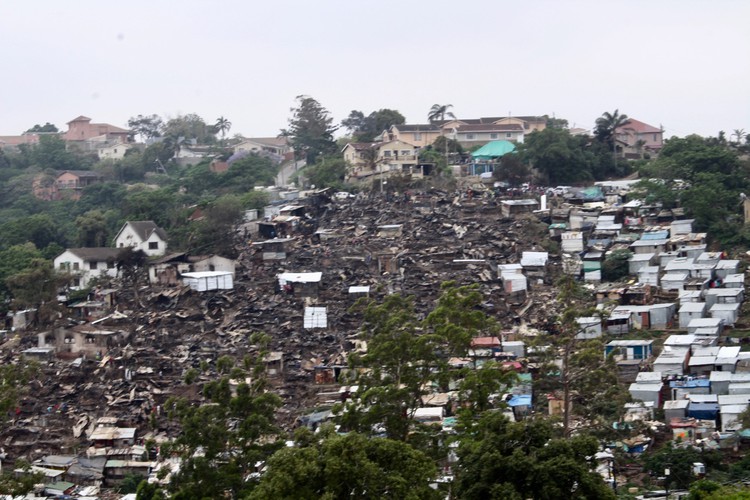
(378, 245)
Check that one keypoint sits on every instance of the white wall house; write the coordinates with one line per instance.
(142, 235)
(85, 264)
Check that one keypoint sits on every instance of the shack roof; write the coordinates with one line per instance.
(300, 277)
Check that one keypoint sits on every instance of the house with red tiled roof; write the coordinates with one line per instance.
(13, 141)
(636, 137)
(93, 135)
(70, 183)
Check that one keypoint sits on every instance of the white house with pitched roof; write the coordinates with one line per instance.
(142, 235)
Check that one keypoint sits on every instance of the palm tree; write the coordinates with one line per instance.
(439, 112)
(739, 133)
(607, 124)
(223, 125)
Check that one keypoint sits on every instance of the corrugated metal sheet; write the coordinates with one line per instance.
(316, 317)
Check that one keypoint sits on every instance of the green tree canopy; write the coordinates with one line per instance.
(365, 128)
(310, 129)
(145, 126)
(350, 466)
(47, 127)
(503, 460)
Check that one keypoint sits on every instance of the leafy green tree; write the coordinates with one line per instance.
(365, 128)
(329, 171)
(51, 152)
(576, 367)
(19, 486)
(503, 460)
(130, 483)
(39, 229)
(188, 127)
(158, 205)
(310, 130)
(512, 170)
(559, 157)
(36, 287)
(399, 363)
(405, 355)
(615, 265)
(350, 466)
(92, 229)
(145, 126)
(14, 383)
(47, 127)
(679, 461)
(233, 435)
(255, 199)
(102, 196)
(13, 260)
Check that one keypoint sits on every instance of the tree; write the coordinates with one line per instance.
(310, 130)
(365, 128)
(223, 126)
(438, 112)
(615, 265)
(503, 460)
(740, 134)
(512, 170)
(350, 466)
(679, 460)
(575, 366)
(187, 128)
(147, 127)
(47, 127)
(559, 157)
(36, 287)
(329, 171)
(233, 433)
(92, 229)
(606, 125)
(13, 260)
(131, 267)
(405, 355)
(14, 382)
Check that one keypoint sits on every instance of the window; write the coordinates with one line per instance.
(387, 153)
(469, 137)
(405, 152)
(153, 245)
(655, 139)
(211, 267)
(110, 265)
(69, 340)
(75, 266)
(508, 135)
(62, 265)
(493, 136)
(417, 136)
(93, 265)
(76, 282)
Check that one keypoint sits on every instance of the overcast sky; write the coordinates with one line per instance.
(682, 64)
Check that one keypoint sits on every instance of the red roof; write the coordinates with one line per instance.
(638, 127)
(485, 342)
